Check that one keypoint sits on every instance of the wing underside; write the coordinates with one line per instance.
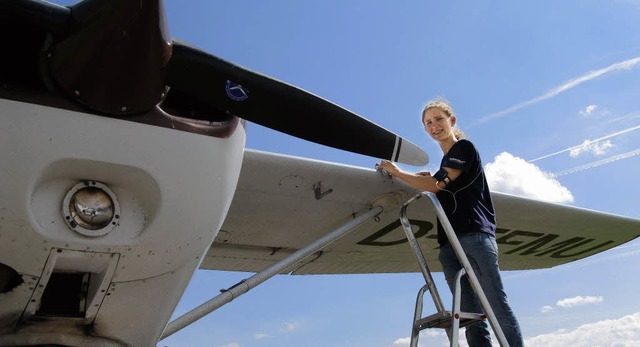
(284, 203)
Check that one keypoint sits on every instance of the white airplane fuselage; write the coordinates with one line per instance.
(172, 189)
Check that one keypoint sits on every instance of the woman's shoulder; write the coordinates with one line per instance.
(464, 144)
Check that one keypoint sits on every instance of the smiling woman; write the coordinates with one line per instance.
(461, 187)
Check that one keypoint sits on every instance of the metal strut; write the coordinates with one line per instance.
(253, 281)
(453, 320)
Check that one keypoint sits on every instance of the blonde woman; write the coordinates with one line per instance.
(461, 187)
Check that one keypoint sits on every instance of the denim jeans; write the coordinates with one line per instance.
(482, 251)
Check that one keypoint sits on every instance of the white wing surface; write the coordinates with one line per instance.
(283, 203)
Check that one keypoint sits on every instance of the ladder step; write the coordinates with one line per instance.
(443, 320)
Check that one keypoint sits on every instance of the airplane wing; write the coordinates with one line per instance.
(284, 203)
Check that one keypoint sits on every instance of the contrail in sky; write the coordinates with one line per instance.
(594, 141)
(598, 163)
(624, 65)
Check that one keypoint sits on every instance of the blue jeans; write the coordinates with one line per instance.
(482, 251)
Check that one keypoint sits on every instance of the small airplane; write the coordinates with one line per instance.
(124, 170)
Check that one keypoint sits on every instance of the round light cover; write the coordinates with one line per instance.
(91, 209)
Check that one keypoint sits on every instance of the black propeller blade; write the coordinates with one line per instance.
(280, 106)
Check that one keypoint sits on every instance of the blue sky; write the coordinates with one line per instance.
(547, 90)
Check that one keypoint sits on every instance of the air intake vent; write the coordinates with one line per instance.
(65, 295)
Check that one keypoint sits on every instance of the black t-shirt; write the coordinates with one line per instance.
(466, 200)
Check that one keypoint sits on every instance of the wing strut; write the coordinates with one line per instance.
(253, 281)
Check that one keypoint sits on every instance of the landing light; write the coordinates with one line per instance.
(91, 209)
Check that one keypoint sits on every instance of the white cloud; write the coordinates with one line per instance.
(435, 332)
(291, 326)
(588, 110)
(513, 175)
(579, 301)
(595, 147)
(547, 309)
(622, 332)
(573, 302)
(261, 336)
(406, 341)
(235, 344)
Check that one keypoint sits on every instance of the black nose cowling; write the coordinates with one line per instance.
(114, 57)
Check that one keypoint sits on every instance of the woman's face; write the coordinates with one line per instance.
(438, 124)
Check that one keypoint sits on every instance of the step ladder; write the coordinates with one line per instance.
(452, 320)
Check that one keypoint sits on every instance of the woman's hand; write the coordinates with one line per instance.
(388, 167)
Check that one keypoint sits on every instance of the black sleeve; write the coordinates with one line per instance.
(460, 156)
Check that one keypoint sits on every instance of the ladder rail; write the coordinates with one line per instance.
(417, 251)
(417, 315)
(464, 261)
(455, 308)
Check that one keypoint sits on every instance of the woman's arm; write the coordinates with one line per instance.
(424, 181)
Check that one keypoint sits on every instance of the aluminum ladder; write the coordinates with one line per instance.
(452, 320)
